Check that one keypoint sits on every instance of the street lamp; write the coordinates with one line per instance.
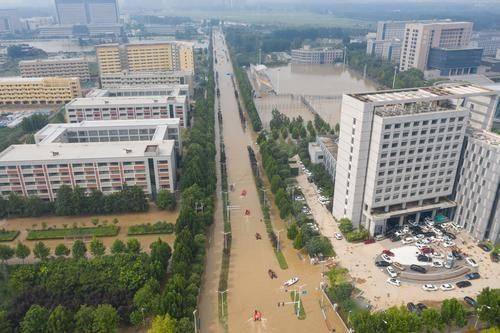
(195, 321)
(479, 309)
(222, 300)
(394, 77)
(225, 238)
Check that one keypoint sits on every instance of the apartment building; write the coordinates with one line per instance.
(385, 49)
(127, 78)
(478, 187)
(41, 169)
(421, 37)
(54, 90)
(69, 67)
(112, 131)
(324, 150)
(122, 108)
(308, 55)
(145, 57)
(398, 154)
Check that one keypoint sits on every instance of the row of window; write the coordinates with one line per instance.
(423, 123)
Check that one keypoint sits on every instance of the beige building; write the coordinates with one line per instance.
(419, 38)
(54, 90)
(145, 57)
(71, 67)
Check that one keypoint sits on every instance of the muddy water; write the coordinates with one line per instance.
(317, 80)
(124, 221)
(250, 287)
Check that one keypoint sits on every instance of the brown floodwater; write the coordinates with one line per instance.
(250, 287)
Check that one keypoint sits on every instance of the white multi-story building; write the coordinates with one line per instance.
(41, 169)
(112, 131)
(398, 154)
(171, 90)
(309, 55)
(478, 187)
(121, 108)
(420, 37)
(126, 78)
(324, 151)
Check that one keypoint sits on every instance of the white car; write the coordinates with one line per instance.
(419, 236)
(386, 257)
(448, 244)
(323, 198)
(447, 287)
(291, 282)
(437, 264)
(437, 255)
(392, 272)
(429, 287)
(471, 262)
(338, 236)
(394, 282)
(407, 240)
(419, 245)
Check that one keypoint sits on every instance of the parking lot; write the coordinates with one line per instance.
(360, 259)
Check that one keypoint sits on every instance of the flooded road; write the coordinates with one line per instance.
(250, 287)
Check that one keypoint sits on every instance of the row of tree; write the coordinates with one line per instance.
(247, 94)
(75, 201)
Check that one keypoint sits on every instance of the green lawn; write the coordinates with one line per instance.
(160, 227)
(8, 235)
(104, 231)
(302, 311)
(292, 18)
(281, 260)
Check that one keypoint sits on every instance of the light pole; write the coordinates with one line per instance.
(195, 321)
(298, 302)
(278, 247)
(225, 238)
(394, 77)
(222, 300)
(479, 309)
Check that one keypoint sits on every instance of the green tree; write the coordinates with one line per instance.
(41, 251)
(489, 306)
(22, 251)
(133, 245)
(105, 319)
(6, 253)
(62, 250)
(60, 321)
(431, 320)
(97, 247)
(292, 231)
(163, 324)
(5, 325)
(84, 319)
(453, 313)
(118, 246)
(35, 320)
(64, 204)
(166, 200)
(298, 242)
(276, 183)
(79, 249)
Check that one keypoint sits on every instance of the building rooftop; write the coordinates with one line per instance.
(55, 60)
(331, 144)
(128, 101)
(170, 89)
(431, 93)
(148, 73)
(82, 151)
(486, 136)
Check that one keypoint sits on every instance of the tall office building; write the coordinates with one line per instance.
(71, 12)
(421, 37)
(399, 152)
(145, 57)
(9, 21)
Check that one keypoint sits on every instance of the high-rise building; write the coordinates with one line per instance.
(53, 90)
(398, 154)
(76, 12)
(421, 37)
(9, 21)
(145, 57)
(489, 41)
(66, 67)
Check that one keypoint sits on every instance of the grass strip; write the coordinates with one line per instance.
(281, 259)
(103, 231)
(302, 312)
(8, 235)
(151, 229)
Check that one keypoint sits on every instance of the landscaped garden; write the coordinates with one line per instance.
(8, 235)
(61, 233)
(160, 227)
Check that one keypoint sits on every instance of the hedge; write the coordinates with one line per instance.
(61, 233)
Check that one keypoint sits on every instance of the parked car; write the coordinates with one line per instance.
(291, 282)
(457, 255)
(411, 307)
(421, 306)
(448, 244)
(394, 282)
(471, 262)
(463, 284)
(395, 238)
(429, 287)
(418, 269)
(382, 263)
(437, 255)
(450, 235)
(407, 240)
(484, 247)
(424, 258)
(398, 266)
(473, 276)
(299, 198)
(392, 272)
(338, 236)
(386, 257)
(378, 238)
(495, 257)
(369, 241)
(447, 287)
(388, 252)
(437, 264)
(427, 250)
(471, 301)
